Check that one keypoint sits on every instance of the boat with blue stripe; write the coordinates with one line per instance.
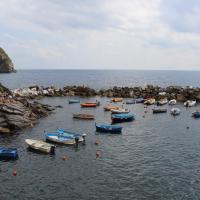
(106, 128)
(8, 153)
(117, 118)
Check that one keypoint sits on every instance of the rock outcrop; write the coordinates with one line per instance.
(6, 64)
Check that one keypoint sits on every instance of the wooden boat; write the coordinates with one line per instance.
(117, 118)
(196, 114)
(58, 138)
(117, 100)
(172, 102)
(175, 111)
(8, 153)
(40, 146)
(190, 103)
(159, 110)
(71, 101)
(105, 128)
(83, 116)
(120, 111)
(130, 101)
(162, 102)
(150, 101)
(110, 107)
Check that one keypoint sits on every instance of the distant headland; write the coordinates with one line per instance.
(6, 64)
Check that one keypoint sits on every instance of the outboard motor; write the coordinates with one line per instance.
(76, 141)
(52, 150)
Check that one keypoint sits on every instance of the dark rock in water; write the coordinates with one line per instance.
(6, 64)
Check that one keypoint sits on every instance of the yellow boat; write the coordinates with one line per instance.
(150, 101)
(110, 107)
(117, 99)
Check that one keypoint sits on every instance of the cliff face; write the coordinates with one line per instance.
(6, 65)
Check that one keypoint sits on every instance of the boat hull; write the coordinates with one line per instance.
(119, 118)
(109, 129)
(8, 153)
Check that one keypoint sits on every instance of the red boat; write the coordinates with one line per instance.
(88, 105)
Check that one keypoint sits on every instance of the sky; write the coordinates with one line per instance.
(101, 34)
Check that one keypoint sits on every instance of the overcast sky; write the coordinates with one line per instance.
(99, 34)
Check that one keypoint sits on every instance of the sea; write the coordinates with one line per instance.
(157, 156)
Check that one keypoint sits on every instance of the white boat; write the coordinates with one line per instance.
(190, 103)
(175, 111)
(162, 101)
(150, 101)
(119, 111)
(172, 102)
(40, 146)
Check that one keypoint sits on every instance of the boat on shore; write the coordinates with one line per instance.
(110, 107)
(105, 128)
(117, 100)
(175, 111)
(159, 110)
(172, 102)
(150, 101)
(190, 103)
(8, 153)
(120, 111)
(71, 101)
(83, 116)
(40, 146)
(117, 118)
(196, 114)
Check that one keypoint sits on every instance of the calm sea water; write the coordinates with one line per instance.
(155, 157)
(100, 78)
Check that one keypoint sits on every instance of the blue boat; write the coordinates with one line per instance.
(68, 133)
(104, 128)
(139, 100)
(8, 153)
(117, 118)
(130, 101)
(196, 114)
(74, 101)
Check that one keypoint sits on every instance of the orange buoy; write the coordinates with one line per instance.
(98, 154)
(97, 142)
(14, 173)
(64, 157)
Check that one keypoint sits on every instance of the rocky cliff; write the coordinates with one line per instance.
(6, 65)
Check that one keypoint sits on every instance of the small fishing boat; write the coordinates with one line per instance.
(196, 114)
(120, 111)
(88, 105)
(172, 102)
(71, 101)
(150, 101)
(117, 100)
(117, 118)
(105, 128)
(139, 100)
(83, 116)
(59, 138)
(162, 102)
(190, 103)
(130, 101)
(8, 153)
(159, 110)
(110, 107)
(40, 146)
(175, 111)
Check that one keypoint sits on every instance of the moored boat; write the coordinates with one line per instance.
(130, 101)
(88, 105)
(8, 153)
(117, 118)
(190, 103)
(71, 101)
(172, 102)
(175, 111)
(150, 101)
(105, 128)
(159, 110)
(139, 100)
(110, 107)
(117, 99)
(83, 116)
(196, 114)
(120, 111)
(162, 101)
(40, 146)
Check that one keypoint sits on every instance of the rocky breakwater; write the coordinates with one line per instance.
(6, 64)
(17, 112)
(170, 92)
